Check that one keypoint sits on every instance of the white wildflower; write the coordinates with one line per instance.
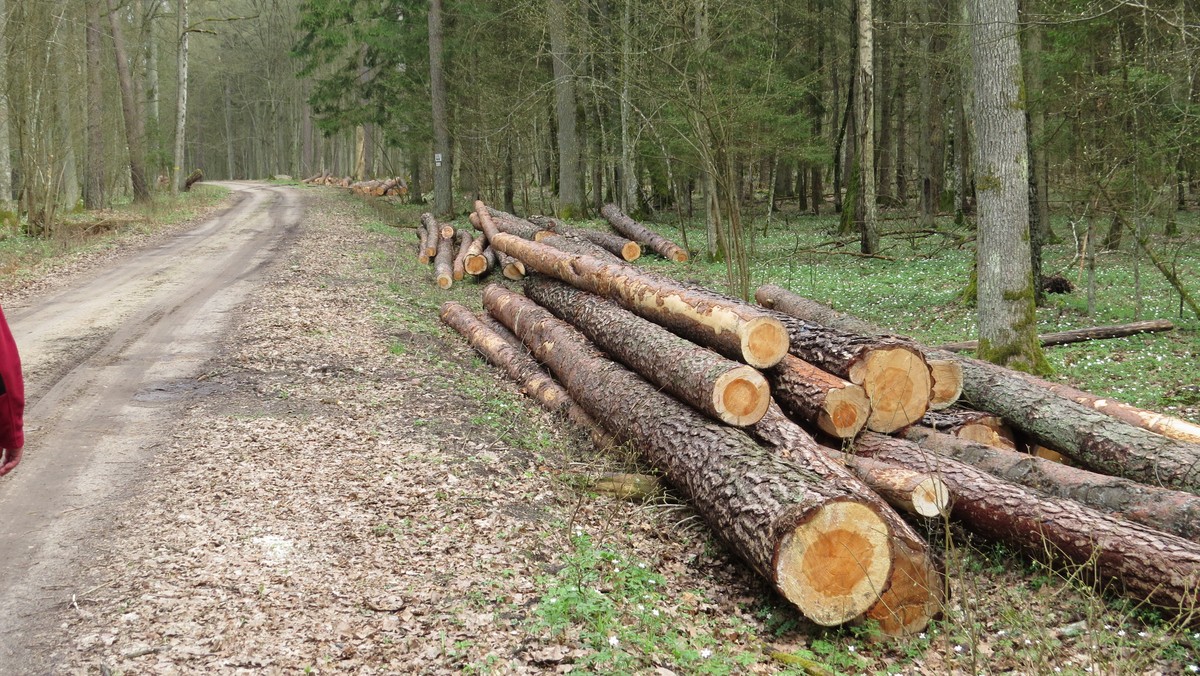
(614, 641)
(706, 653)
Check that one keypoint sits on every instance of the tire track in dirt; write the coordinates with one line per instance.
(109, 360)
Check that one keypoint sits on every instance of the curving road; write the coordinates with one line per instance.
(107, 363)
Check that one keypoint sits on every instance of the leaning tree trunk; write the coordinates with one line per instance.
(840, 408)
(916, 590)
(744, 333)
(827, 552)
(724, 390)
(640, 233)
(1140, 562)
(1174, 512)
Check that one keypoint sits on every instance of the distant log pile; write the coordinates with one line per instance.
(774, 425)
(382, 187)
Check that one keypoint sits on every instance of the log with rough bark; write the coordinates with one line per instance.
(423, 244)
(1175, 512)
(823, 550)
(916, 591)
(640, 233)
(725, 390)
(434, 234)
(506, 222)
(458, 268)
(968, 425)
(747, 334)
(1097, 441)
(480, 257)
(840, 408)
(311, 179)
(195, 177)
(1129, 558)
(510, 267)
(521, 368)
(443, 262)
(1081, 335)
(893, 372)
(626, 249)
(947, 383)
(579, 246)
(1167, 426)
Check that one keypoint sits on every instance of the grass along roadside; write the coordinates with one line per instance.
(85, 234)
(596, 601)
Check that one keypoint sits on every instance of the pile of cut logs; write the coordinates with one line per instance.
(390, 187)
(800, 435)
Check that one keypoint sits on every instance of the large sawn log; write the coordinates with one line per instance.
(626, 249)
(840, 408)
(827, 552)
(744, 333)
(1137, 561)
(726, 390)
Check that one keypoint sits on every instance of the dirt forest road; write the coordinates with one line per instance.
(105, 359)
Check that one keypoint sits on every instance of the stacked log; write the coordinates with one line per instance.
(625, 249)
(825, 550)
(637, 232)
(390, 187)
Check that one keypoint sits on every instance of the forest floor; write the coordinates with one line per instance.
(348, 488)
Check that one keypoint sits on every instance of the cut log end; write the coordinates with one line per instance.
(631, 251)
(679, 256)
(765, 342)
(898, 384)
(741, 396)
(834, 565)
(914, 597)
(947, 379)
(445, 281)
(845, 412)
(931, 497)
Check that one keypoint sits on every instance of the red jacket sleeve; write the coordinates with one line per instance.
(12, 391)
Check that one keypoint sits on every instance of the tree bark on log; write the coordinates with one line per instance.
(506, 222)
(744, 333)
(1096, 440)
(192, 179)
(977, 426)
(519, 366)
(725, 390)
(1081, 335)
(423, 244)
(640, 233)
(1175, 512)
(840, 408)
(916, 590)
(625, 249)
(1140, 562)
(579, 246)
(458, 269)
(1167, 426)
(434, 234)
(825, 551)
(443, 263)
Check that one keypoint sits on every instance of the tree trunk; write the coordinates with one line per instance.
(434, 233)
(1099, 441)
(867, 210)
(640, 233)
(1081, 335)
(181, 95)
(1006, 311)
(569, 197)
(916, 590)
(838, 407)
(443, 196)
(747, 334)
(825, 551)
(135, 124)
(724, 390)
(8, 208)
(1137, 561)
(95, 187)
(1174, 512)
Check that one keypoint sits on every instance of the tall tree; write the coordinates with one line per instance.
(864, 101)
(443, 197)
(1006, 310)
(8, 209)
(570, 197)
(135, 124)
(181, 22)
(95, 187)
